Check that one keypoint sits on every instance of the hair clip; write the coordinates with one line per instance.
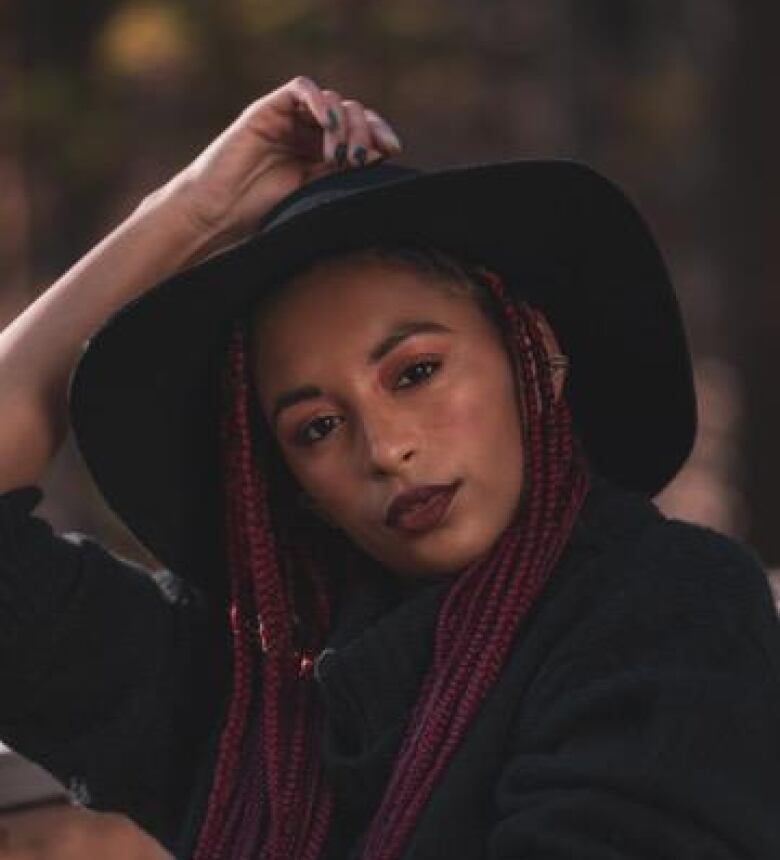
(558, 361)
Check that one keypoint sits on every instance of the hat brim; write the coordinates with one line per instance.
(145, 397)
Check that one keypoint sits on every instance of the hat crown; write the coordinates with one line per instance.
(335, 186)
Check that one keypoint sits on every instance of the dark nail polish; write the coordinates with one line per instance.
(333, 119)
(341, 154)
(360, 153)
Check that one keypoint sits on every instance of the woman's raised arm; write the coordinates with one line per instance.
(283, 140)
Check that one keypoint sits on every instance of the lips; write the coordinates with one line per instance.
(420, 508)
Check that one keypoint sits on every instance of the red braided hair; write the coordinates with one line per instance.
(267, 793)
(268, 796)
(484, 607)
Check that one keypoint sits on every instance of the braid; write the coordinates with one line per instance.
(483, 609)
(269, 796)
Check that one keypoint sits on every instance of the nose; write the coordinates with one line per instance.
(389, 440)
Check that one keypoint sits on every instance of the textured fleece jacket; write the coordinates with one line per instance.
(638, 715)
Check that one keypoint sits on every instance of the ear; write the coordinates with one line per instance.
(558, 361)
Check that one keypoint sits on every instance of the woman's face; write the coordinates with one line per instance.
(377, 380)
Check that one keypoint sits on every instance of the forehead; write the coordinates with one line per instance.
(352, 301)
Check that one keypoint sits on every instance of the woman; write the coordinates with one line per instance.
(400, 445)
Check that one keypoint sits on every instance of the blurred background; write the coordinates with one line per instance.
(103, 99)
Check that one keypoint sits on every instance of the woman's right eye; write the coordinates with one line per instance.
(316, 430)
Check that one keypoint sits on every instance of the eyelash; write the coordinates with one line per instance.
(434, 364)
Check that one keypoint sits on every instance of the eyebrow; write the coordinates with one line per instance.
(396, 336)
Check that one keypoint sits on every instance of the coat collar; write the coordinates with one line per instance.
(370, 674)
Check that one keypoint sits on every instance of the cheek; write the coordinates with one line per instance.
(481, 416)
(487, 439)
(328, 482)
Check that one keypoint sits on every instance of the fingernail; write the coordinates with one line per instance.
(333, 119)
(359, 153)
(340, 154)
(394, 138)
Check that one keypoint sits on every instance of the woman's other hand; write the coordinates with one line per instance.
(279, 142)
(74, 833)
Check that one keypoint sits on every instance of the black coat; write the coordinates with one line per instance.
(638, 715)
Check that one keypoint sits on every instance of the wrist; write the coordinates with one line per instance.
(190, 237)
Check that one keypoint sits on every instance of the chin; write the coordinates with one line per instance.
(450, 556)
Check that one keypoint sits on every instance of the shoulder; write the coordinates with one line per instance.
(638, 547)
(695, 546)
(651, 584)
(693, 564)
(655, 708)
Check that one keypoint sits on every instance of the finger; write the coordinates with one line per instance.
(384, 135)
(334, 141)
(301, 100)
(301, 95)
(360, 142)
(310, 100)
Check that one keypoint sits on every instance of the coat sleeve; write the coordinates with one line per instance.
(107, 673)
(655, 733)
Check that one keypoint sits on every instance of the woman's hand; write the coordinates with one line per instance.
(280, 142)
(283, 140)
(74, 833)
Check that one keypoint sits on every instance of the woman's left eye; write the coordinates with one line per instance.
(418, 372)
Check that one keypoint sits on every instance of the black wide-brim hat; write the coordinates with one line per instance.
(145, 397)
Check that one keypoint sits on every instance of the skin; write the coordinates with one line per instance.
(438, 407)
(64, 832)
